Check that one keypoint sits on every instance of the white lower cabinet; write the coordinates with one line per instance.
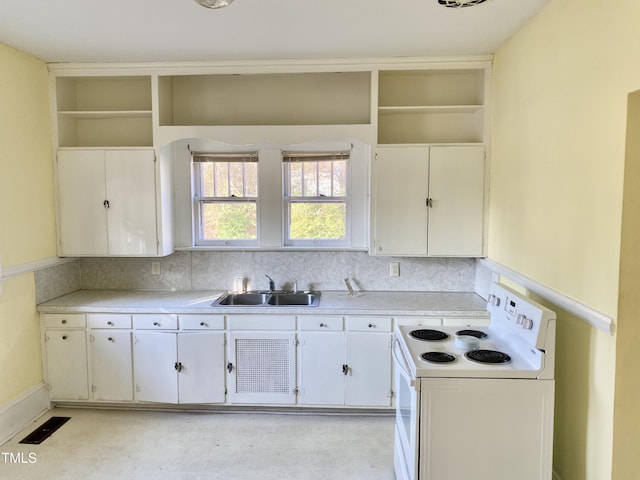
(111, 365)
(67, 373)
(179, 367)
(351, 368)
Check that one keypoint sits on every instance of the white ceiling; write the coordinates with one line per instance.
(176, 30)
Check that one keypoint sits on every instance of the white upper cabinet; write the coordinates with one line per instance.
(107, 201)
(429, 201)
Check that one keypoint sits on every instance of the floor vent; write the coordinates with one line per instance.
(45, 430)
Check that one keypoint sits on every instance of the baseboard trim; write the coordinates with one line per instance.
(17, 414)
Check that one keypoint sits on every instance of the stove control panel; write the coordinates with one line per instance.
(521, 315)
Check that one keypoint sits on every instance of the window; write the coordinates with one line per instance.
(225, 198)
(316, 198)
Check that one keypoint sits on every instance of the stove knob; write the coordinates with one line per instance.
(494, 300)
(521, 318)
(527, 324)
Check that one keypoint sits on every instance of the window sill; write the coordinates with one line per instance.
(241, 248)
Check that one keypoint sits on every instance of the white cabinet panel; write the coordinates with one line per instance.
(66, 352)
(321, 365)
(111, 365)
(155, 355)
(108, 203)
(429, 201)
(369, 375)
(400, 200)
(81, 197)
(201, 378)
(456, 187)
(131, 190)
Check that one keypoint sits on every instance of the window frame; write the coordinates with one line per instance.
(200, 200)
(290, 157)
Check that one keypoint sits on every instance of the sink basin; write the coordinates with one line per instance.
(243, 299)
(269, 299)
(295, 299)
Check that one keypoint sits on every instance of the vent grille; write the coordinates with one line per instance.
(263, 366)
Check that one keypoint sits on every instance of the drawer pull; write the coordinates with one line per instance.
(323, 325)
(371, 325)
(202, 324)
(156, 324)
(110, 323)
(64, 321)
(111, 339)
(64, 337)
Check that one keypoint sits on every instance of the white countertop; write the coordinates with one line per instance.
(331, 302)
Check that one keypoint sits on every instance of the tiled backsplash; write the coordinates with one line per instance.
(211, 270)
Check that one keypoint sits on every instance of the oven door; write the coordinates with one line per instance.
(407, 417)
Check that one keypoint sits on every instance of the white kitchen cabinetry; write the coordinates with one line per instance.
(351, 367)
(179, 367)
(113, 111)
(65, 345)
(432, 106)
(429, 201)
(262, 359)
(110, 352)
(109, 203)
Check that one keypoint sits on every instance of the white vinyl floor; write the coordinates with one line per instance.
(132, 445)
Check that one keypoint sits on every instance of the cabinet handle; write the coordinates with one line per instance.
(106, 204)
(64, 321)
(345, 369)
(111, 339)
(229, 367)
(178, 367)
(323, 325)
(64, 337)
(371, 325)
(156, 324)
(429, 202)
(110, 323)
(202, 324)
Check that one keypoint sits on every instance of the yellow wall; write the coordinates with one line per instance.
(27, 218)
(558, 134)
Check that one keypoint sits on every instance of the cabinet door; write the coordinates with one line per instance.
(81, 196)
(400, 200)
(201, 376)
(322, 357)
(131, 192)
(67, 364)
(111, 365)
(155, 373)
(456, 189)
(369, 377)
(263, 368)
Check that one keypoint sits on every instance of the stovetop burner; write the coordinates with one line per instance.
(428, 334)
(488, 356)
(472, 333)
(438, 357)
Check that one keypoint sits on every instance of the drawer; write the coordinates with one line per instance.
(65, 320)
(201, 322)
(466, 321)
(321, 322)
(419, 321)
(163, 321)
(369, 324)
(109, 320)
(261, 322)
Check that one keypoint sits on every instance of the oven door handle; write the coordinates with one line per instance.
(402, 363)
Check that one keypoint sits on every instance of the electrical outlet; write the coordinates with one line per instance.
(155, 268)
(394, 269)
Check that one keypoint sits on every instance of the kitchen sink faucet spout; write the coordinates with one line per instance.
(272, 284)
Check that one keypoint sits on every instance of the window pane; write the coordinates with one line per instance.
(340, 178)
(295, 179)
(310, 179)
(229, 220)
(317, 220)
(251, 179)
(229, 179)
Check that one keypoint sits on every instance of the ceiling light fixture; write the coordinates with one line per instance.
(460, 3)
(214, 3)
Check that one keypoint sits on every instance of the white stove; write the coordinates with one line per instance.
(457, 384)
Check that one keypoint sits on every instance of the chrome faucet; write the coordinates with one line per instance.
(272, 284)
(349, 287)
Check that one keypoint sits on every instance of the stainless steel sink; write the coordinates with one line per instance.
(269, 299)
